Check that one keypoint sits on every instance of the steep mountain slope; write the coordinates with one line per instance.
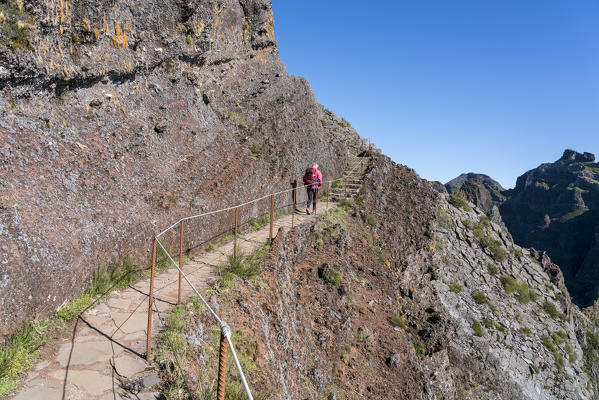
(401, 296)
(480, 189)
(119, 117)
(555, 207)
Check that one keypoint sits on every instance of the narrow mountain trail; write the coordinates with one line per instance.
(103, 357)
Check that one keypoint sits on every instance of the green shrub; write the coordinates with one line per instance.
(572, 357)
(488, 323)
(420, 348)
(516, 252)
(484, 220)
(259, 223)
(243, 266)
(559, 361)
(368, 237)
(590, 352)
(16, 26)
(497, 251)
(550, 309)
(494, 310)
(346, 204)
(479, 297)
(524, 292)
(443, 219)
(381, 257)
(495, 247)
(371, 220)
(477, 328)
(72, 310)
(256, 149)
(502, 328)
(122, 273)
(559, 337)
(458, 199)
(237, 119)
(18, 356)
(169, 66)
(492, 269)
(525, 331)
(455, 287)
(510, 284)
(332, 276)
(549, 343)
(399, 321)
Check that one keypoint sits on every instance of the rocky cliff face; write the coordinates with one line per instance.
(119, 117)
(403, 295)
(555, 207)
(480, 189)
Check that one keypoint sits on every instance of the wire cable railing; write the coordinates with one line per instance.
(279, 201)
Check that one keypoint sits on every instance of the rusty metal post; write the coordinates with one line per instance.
(222, 368)
(180, 261)
(272, 213)
(236, 222)
(151, 298)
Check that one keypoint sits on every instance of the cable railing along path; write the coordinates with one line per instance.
(280, 202)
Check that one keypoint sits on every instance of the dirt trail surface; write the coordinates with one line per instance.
(103, 358)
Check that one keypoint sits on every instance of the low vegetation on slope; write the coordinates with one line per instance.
(290, 346)
(337, 312)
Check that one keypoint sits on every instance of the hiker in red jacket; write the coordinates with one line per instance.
(312, 180)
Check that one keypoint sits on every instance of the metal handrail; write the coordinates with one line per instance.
(225, 329)
(233, 207)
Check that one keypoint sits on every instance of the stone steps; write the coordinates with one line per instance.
(352, 179)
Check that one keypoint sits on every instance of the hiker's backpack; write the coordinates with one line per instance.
(310, 176)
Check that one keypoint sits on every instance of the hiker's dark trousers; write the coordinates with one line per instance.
(312, 194)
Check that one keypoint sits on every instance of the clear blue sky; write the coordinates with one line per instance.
(446, 87)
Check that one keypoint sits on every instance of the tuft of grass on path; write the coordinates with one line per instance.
(243, 266)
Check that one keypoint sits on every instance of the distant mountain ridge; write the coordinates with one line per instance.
(555, 208)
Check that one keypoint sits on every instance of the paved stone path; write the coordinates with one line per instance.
(105, 352)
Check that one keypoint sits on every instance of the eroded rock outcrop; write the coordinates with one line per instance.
(119, 117)
(555, 208)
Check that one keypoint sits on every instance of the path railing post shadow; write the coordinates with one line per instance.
(226, 344)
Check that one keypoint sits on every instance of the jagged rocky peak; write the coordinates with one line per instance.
(555, 208)
(571, 156)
